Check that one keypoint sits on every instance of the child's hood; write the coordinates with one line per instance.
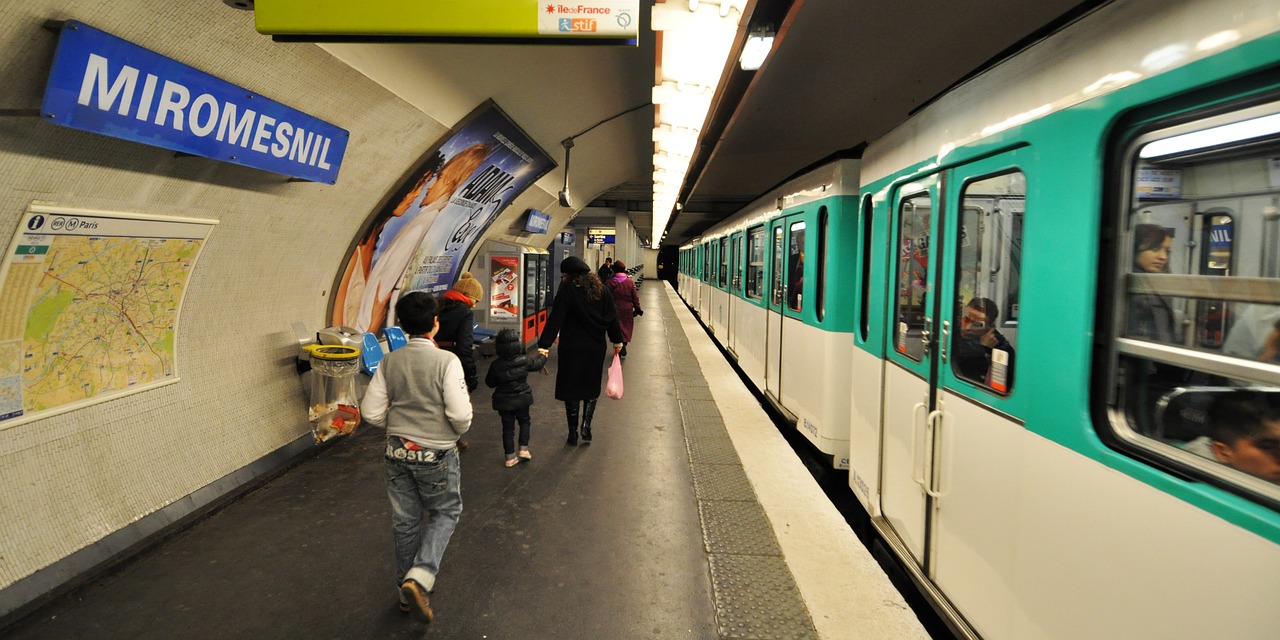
(508, 344)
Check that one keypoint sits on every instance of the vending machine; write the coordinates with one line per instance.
(518, 283)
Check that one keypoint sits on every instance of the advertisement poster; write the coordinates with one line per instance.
(419, 240)
(89, 307)
(503, 271)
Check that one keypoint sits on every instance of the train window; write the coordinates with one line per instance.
(988, 265)
(755, 262)
(1215, 260)
(821, 283)
(865, 313)
(776, 288)
(913, 274)
(713, 264)
(724, 262)
(795, 265)
(1195, 368)
(733, 262)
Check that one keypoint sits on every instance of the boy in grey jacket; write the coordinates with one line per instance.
(420, 395)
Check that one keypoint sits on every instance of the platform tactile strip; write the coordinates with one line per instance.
(755, 595)
(721, 482)
(699, 408)
(710, 448)
(751, 602)
(689, 381)
(737, 527)
(693, 392)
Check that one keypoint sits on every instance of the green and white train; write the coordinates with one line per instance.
(1039, 324)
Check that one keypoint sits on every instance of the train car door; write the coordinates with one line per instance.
(735, 291)
(773, 315)
(951, 432)
(785, 278)
(974, 430)
(909, 374)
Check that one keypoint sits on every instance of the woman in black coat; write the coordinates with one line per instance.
(582, 315)
(457, 322)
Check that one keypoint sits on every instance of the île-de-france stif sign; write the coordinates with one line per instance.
(520, 21)
(107, 85)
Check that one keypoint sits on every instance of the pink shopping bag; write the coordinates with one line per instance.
(614, 387)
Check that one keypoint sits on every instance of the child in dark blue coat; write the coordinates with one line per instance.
(512, 395)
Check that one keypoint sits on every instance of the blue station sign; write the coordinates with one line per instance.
(106, 85)
(537, 222)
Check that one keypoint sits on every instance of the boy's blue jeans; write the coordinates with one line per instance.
(419, 488)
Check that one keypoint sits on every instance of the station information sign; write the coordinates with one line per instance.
(108, 85)
(582, 21)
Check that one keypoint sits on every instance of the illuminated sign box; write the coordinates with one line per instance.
(107, 85)
(516, 21)
(537, 222)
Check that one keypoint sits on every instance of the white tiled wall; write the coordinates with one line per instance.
(68, 481)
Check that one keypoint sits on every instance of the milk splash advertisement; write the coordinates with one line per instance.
(513, 163)
(419, 240)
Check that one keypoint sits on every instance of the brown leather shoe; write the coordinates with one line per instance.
(417, 596)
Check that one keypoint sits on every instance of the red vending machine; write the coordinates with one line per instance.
(518, 290)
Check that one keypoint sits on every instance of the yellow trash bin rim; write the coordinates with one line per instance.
(332, 352)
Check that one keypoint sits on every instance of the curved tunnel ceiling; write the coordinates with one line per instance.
(842, 72)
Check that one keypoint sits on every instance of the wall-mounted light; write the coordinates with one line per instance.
(565, 200)
(759, 44)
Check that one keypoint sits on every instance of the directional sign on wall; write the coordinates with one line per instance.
(531, 21)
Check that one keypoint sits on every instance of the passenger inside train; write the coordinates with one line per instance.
(1255, 334)
(1244, 433)
(1151, 316)
(981, 353)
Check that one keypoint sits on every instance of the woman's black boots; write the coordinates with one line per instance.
(571, 414)
(588, 408)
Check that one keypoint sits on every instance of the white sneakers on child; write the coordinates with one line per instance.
(523, 455)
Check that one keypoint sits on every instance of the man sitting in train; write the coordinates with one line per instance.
(980, 352)
(1244, 433)
(1255, 334)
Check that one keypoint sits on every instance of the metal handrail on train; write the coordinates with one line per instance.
(1228, 288)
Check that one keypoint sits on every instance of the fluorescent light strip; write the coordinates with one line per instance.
(1214, 137)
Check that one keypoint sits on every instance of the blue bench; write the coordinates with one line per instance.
(482, 335)
(395, 338)
(370, 353)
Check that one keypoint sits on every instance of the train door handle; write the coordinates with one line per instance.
(926, 335)
(917, 469)
(942, 346)
(939, 489)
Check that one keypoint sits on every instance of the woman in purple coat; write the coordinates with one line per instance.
(626, 299)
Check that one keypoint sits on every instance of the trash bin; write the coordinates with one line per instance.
(334, 408)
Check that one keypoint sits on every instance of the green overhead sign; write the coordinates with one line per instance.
(586, 21)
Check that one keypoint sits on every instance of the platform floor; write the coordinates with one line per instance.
(669, 525)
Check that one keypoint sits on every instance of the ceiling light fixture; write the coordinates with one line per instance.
(693, 48)
(756, 49)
